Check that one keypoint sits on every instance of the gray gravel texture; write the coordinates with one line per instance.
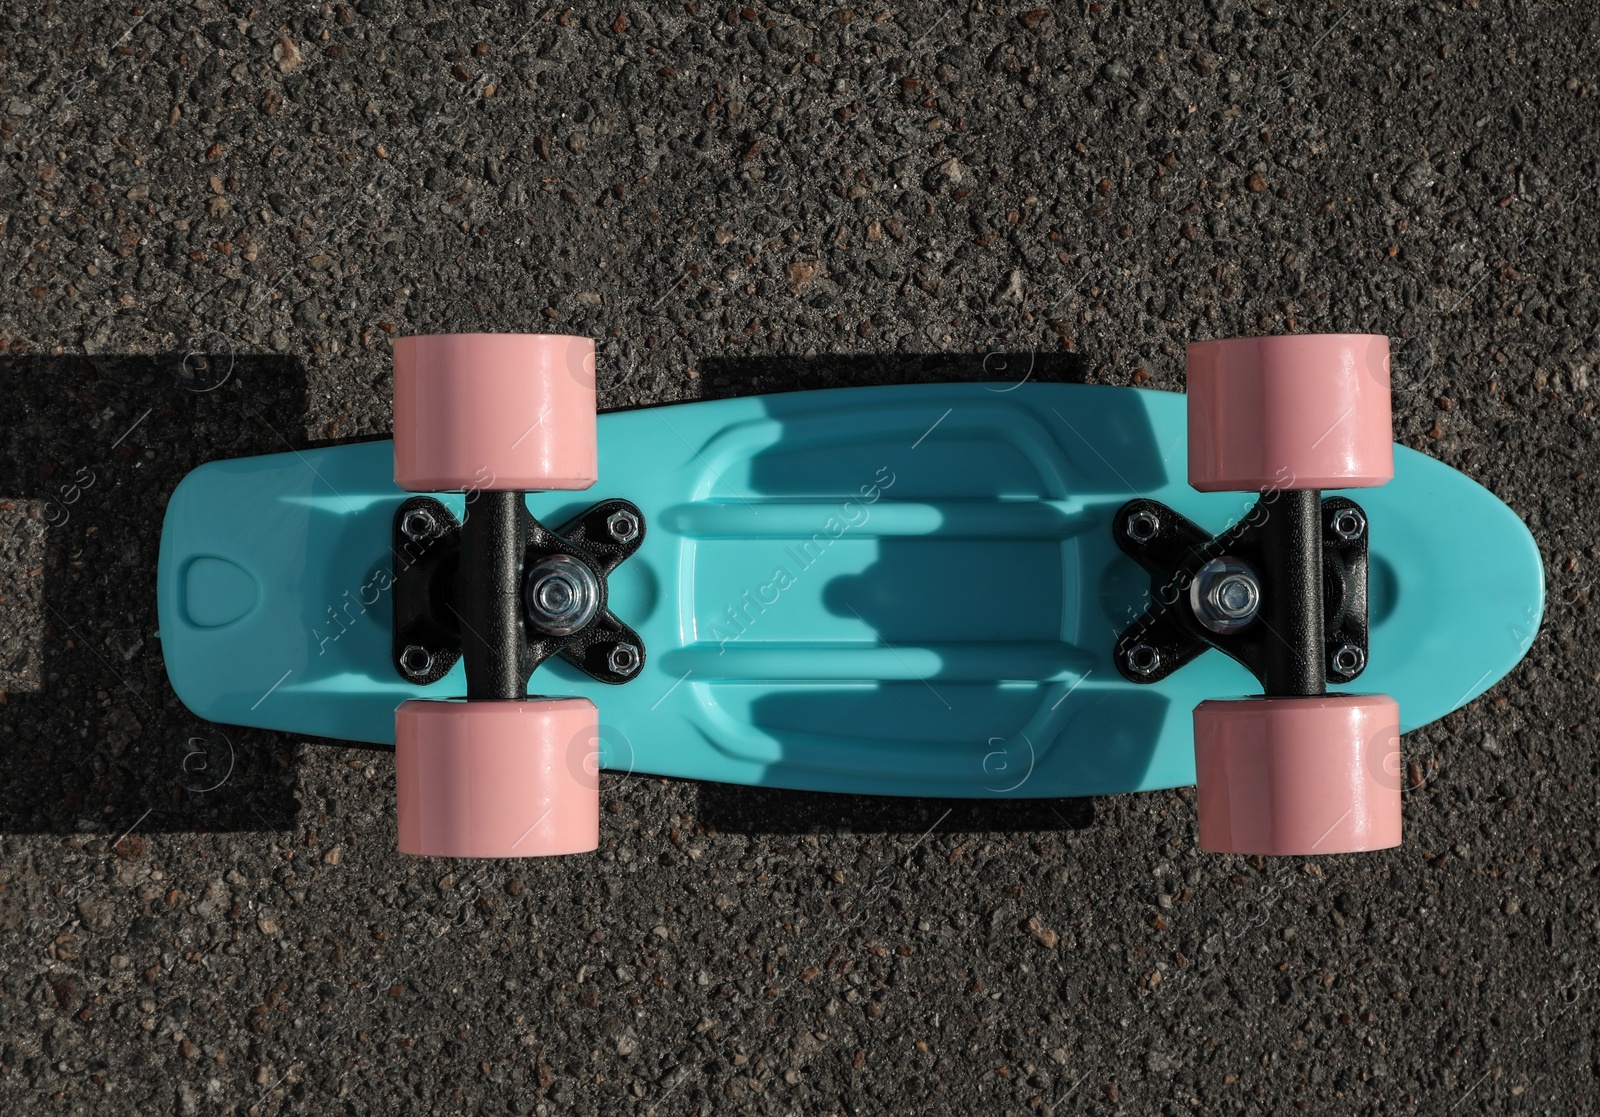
(217, 215)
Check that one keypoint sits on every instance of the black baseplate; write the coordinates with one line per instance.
(459, 589)
(1309, 558)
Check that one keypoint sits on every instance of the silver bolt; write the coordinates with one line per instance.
(1348, 661)
(416, 661)
(623, 526)
(1348, 524)
(1234, 596)
(1143, 526)
(418, 524)
(1143, 659)
(624, 659)
(1225, 595)
(561, 595)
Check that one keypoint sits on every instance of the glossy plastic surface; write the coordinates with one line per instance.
(906, 590)
(1296, 411)
(497, 779)
(475, 412)
(1298, 775)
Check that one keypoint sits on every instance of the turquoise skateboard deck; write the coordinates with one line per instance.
(905, 590)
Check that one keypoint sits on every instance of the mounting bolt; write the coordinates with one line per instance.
(623, 526)
(561, 595)
(416, 661)
(1225, 595)
(418, 524)
(1348, 524)
(624, 659)
(1347, 661)
(1143, 526)
(1143, 659)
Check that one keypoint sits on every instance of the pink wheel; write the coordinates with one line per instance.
(494, 411)
(497, 778)
(1308, 411)
(1298, 775)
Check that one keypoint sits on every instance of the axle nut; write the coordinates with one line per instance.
(624, 659)
(1143, 526)
(416, 661)
(1348, 524)
(1143, 660)
(623, 526)
(418, 524)
(1347, 661)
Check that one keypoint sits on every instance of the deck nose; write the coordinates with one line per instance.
(217, 592)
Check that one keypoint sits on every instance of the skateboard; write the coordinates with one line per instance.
(961, 590)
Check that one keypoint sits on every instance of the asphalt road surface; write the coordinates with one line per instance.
(216, 218)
